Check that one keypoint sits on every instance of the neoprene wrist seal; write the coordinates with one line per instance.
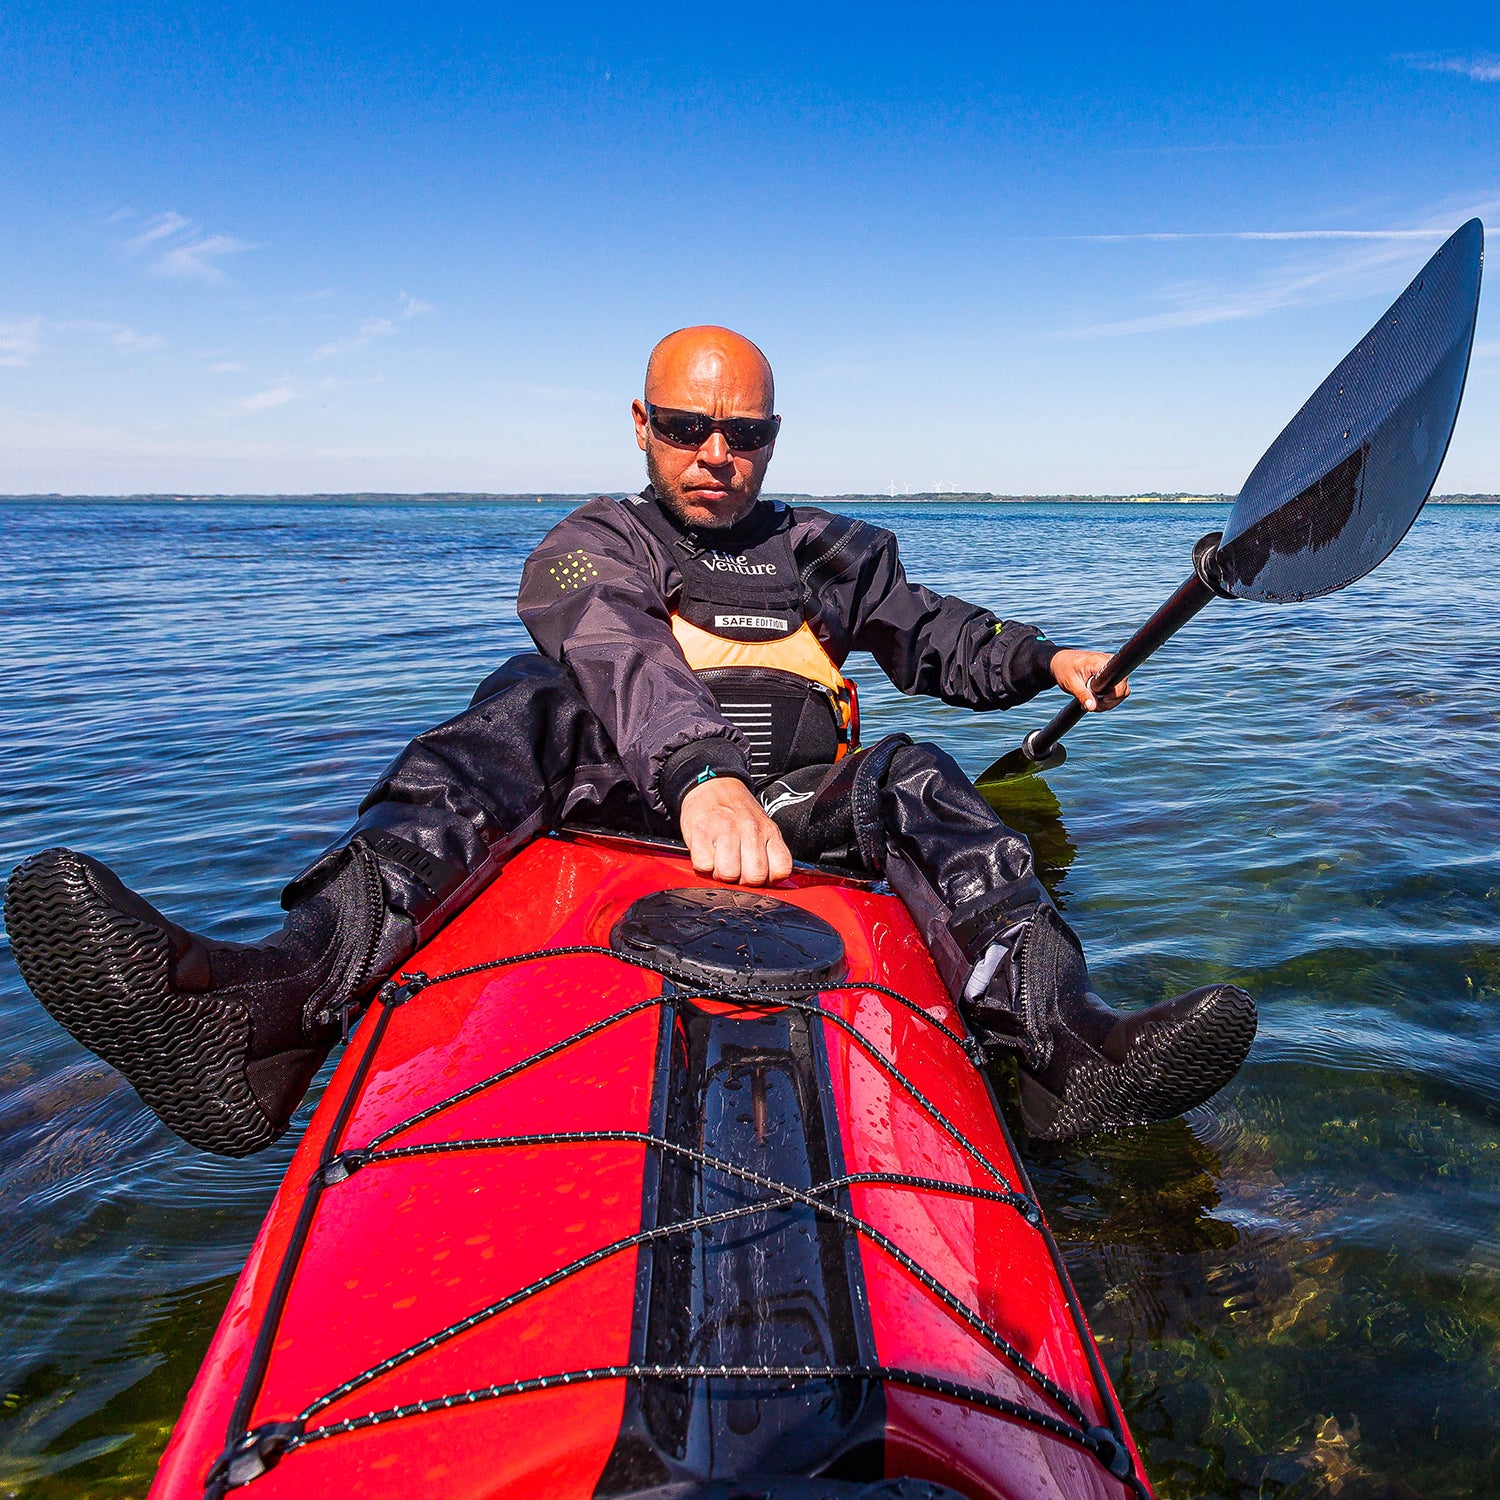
(1029, 659)
(684, 768)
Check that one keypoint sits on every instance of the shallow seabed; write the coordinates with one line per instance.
(1297, 1289)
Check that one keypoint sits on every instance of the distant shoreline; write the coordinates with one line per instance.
(531, 498)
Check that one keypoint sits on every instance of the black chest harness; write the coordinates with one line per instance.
(741, 619)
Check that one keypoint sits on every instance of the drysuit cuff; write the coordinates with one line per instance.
(1028, 662)
(684, 768)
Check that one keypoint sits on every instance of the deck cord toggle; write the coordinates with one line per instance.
(341, 1167)
(259, 1450)
(402, 988)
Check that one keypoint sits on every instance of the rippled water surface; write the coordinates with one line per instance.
(1297, 1290)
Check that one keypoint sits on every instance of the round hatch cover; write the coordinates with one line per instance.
(727, 938)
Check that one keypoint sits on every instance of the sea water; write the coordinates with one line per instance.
(1296, 1289)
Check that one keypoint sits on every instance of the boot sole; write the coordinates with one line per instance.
(1172, 1068)
(104, 977)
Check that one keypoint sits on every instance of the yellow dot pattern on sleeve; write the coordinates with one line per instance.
(573, 570)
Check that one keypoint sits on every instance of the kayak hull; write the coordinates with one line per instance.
(569, 1226)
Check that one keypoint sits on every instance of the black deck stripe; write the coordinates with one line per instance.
(661, 1089)
(838, 1170)
(656, 1437)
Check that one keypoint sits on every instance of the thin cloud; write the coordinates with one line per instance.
(276, 395)
(1356, 263)
(19, 343)
(1199, 305)
(194, 257)
(50, 441)
(228, 367)
(575, 393)
(129, 339)
(1482, 68)
(342, 382)
(162, 227)
(120, 335)
(373, 330)
(197, 261)
(1168, 236)
(1201, 149)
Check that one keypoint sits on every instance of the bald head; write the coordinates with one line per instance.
(694, 361)
(722, 374)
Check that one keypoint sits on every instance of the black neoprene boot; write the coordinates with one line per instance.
(219, 1039)
(1085, 1066)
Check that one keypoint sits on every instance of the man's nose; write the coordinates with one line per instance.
(715, 451)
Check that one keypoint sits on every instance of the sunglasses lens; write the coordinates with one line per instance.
(746, 434)
(689, 428)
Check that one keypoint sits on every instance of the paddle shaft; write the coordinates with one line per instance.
(1159, 629)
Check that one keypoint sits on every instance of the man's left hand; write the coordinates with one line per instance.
(1075, 672)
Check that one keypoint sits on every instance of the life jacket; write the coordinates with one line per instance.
(741, 620)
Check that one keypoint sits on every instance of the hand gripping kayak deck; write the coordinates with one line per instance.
(635, 1185)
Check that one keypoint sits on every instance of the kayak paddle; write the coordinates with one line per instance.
(1339, 488)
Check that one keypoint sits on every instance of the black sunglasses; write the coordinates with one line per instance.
(690, 429)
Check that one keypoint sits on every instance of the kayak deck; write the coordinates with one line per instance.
(565, 1225)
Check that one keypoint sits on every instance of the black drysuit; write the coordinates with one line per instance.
(610, 725)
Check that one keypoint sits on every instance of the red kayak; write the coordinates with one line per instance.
(633, 1184)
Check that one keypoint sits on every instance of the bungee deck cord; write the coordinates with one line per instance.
(251, 1452)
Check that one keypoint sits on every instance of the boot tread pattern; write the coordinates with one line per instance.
(1173, 1066)
(103, 975)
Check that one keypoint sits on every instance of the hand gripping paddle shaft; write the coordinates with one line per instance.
(1339, 488)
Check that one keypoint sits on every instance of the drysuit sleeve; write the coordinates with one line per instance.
(940, 645)
(592, 598)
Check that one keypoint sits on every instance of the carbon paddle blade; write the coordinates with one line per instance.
(1337, 490)
(1340, 487)
(1010, 767)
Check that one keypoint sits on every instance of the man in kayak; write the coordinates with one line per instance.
(688, 681)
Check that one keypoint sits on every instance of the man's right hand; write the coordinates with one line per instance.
(729, 835)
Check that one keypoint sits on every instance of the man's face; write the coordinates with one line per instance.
(709, 485)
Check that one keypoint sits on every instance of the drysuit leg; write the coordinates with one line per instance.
(908, 812)
(448, 813)
(1014, 966)
(221, 1039)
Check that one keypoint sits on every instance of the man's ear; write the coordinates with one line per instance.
(642, 425)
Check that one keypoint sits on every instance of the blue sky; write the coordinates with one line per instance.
(986, 246)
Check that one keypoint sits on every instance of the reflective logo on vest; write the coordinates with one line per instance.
(751, 622)
(723, 562)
